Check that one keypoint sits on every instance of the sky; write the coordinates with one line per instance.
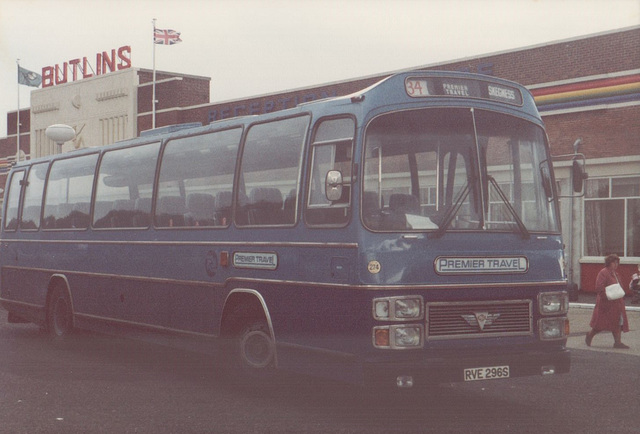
(255, 47)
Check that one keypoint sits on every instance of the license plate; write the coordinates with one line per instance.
(490, 373)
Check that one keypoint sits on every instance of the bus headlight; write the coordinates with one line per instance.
(408, 308)
(553, 328)
(398, 337)
(405, 337)
(551, 303)
(398, 308)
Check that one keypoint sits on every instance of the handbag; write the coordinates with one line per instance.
(614, 291)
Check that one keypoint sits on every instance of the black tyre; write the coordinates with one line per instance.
(59, 314)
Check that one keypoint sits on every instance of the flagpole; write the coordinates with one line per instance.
(18, 117)
(153, 97)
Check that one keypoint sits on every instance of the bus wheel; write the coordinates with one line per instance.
(256, 348)
(59, 314)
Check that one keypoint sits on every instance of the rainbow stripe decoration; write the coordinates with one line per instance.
(588, 93)
(6, 164)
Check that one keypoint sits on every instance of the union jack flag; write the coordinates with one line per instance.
(166, 37)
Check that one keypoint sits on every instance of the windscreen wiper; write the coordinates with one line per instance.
(505, 200)
(451, 213)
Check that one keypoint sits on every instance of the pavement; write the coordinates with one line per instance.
(580, 312)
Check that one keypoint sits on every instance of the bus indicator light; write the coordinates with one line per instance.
(382, 337)
(224, 259)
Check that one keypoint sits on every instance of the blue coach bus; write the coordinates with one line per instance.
(405, 234)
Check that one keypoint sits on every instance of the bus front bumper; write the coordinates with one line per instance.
(466, 368)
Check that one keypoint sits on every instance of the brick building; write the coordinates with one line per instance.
(586, 87)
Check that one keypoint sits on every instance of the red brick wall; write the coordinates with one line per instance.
(604, 133)
(184, 92)
(562, 61)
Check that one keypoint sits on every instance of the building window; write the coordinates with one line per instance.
(612, 216)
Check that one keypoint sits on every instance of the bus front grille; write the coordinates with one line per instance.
(479, 319)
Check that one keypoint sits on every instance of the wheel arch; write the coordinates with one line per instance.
(244, 297)
(59, 281)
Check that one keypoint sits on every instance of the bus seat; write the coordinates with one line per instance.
(222, 207)
(122, 213)
(201, 208)
(170, 211)
(101, 217)
(265, 206)
(290, 207)
(404, 203)
(81, 214)
(30, 215)
(64, 219)
(142, 210)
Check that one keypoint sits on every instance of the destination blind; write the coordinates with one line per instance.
(420, 87)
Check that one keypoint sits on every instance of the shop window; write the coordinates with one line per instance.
(612, 217)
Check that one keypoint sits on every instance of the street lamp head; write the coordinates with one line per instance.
(576, 145)
(60, 133)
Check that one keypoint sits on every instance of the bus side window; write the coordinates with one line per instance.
(124, 187)
(13, 201)
(196, 179)
(32, 206)
(271, 167)
(68, 191)
(332, 149)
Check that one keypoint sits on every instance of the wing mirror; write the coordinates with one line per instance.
(333, 185)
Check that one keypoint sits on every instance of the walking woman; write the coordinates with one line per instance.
(608, 315)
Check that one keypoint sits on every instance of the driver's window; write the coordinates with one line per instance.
(331, 150)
